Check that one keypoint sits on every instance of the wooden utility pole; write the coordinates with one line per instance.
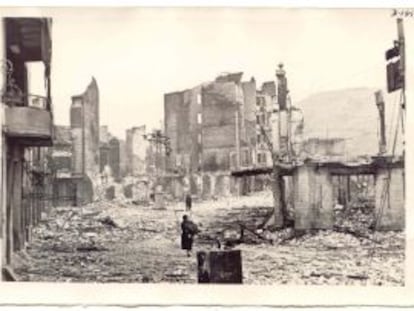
(401, 40)
(396, 66)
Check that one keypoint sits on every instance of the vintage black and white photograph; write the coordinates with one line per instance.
(251, 146)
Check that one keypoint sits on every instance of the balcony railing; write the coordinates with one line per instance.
(13, 96)
(16, 99)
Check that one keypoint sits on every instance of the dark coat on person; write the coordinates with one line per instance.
(188, 230)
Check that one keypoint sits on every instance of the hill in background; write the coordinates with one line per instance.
(350, 114)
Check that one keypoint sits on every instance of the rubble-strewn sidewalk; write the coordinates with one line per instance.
(119, 242)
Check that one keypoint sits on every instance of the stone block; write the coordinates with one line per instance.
(389, 199)
(313, 198)
(220, 267)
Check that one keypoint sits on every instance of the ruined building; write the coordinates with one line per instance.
(84, 121)
(212, 130)
(68, 186)
(328, 161)
(136, 151)
(265, 104)
(64, 183)
(123, 163)
(109, 154)
(26, 122)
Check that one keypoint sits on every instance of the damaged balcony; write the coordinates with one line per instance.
(30, 125)
(28, 117)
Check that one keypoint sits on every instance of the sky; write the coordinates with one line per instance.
(138, 54)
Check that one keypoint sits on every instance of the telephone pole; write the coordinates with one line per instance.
(396, 78)
(396, 67)
(401, 40)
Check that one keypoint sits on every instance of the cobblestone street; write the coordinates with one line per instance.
(118, 242)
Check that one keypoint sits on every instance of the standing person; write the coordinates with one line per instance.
(188, 230)
(188, 202)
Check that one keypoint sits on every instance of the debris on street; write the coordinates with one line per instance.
(120, 242)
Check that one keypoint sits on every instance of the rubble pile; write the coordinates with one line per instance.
(329, 258)
(232, 219)
(120, 242)
(357, 217)
(326, 239)
(76, 244)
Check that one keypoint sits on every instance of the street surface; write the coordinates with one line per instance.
(122, 242)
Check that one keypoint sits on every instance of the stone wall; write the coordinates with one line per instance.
(389, 199)
(85, 133)
(313, 198)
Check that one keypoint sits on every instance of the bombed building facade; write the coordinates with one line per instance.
(265, 126)
(218, 127)
(212, 130)
(75, 158)
(68, 185)
(84, 122)
(64, 183)
(26, 122)
(136, 151)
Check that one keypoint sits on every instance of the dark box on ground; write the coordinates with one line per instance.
(220, 267)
